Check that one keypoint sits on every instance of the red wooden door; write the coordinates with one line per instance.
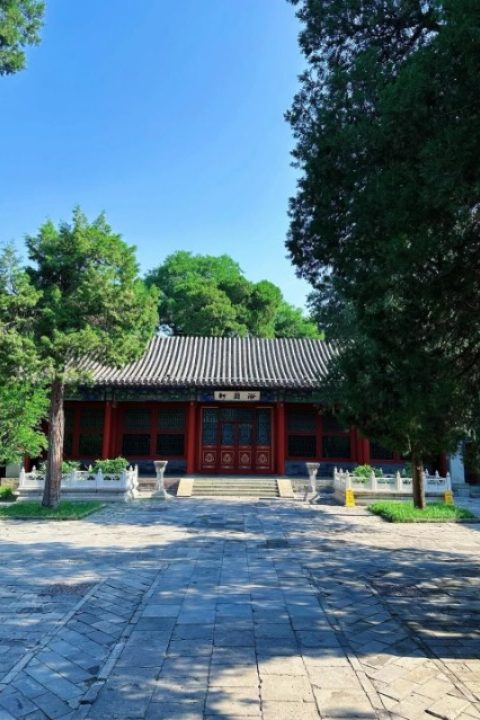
(236, 440)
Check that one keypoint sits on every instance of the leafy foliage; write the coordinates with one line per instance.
(23, 398)
(22, 407)
(209, 295)
(6, 494)
(91, 302)
(365, 471)
(69, 466)
(112, 466)
(20, 23)
(385, 219)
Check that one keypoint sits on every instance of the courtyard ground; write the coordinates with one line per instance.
(233, 609)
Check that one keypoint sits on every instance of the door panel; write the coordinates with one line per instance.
(236, 440)
(209, 451)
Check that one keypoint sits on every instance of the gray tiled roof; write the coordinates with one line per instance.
(222, 362)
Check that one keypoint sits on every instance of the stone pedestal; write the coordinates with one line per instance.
(312, 469)
(160, 492)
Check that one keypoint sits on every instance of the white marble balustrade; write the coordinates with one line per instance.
(83, 483)
(384, 484)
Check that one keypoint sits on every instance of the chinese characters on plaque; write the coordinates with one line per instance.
(239, 395)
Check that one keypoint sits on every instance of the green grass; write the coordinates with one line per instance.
(65, 510)
(405, 512)
(6, 494)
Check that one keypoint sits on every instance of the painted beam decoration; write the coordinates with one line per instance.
(237, 395)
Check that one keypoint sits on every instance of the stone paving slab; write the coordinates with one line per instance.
(238, 609)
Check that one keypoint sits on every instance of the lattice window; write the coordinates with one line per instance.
(336, 446)
(331, 424)
(228, 414)
(209, 426)
(171, 419)
(90, 445)
(301, 421)
(136, 444)
(245, 433)
(91, 419)
(244, 415)
(170, 444)
(302, 426)
(304, 446)
(378, 452)
(263, 426)
(228, 433)
(137, 419)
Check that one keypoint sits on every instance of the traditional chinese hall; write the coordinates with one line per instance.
(226, 406)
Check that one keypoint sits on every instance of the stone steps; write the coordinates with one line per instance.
(235, 487)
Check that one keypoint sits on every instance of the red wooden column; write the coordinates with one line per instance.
(114, 441)
(361, 447)
(280, 437)
(357, 445)
(107, 430)
(191, 435)
(443, 465)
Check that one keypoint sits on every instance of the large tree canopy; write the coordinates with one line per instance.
(209, 295)
(23, 398)
(385, 219)
(91, 302)
(20, 23)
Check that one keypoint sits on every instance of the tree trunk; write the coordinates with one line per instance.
(418, 483)
(53, 479)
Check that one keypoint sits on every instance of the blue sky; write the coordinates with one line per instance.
(168, 116)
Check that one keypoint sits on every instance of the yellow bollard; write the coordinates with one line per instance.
(349, 498)
(448, 497)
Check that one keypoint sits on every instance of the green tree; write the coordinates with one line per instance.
(291, 322)
(209, 295)
(23, 399)
(91, 303)
(385, 219)
(20, 23)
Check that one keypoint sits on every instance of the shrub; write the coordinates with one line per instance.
(6, 494)
(364, 471)
(111, 467)
(395, 511)
(69, 466)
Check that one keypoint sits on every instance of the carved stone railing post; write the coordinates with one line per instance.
(99, 479)
(348, 480)
(22, 477)
(398, 482)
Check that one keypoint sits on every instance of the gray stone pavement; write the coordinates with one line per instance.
(230, 609)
